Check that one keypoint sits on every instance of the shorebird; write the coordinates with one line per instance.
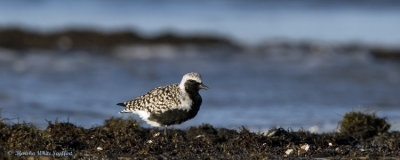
(168, 105)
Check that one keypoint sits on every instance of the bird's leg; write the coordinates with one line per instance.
(165, 133)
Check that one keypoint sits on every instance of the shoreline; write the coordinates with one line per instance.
(97, 41)
(15, 38)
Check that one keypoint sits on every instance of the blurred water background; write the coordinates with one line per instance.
(300, 64)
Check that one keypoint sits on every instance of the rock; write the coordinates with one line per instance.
(303, 149)
(288, 152)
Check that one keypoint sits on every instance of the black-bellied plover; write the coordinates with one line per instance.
(168, 105)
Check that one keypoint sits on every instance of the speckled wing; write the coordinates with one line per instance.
(156, 100)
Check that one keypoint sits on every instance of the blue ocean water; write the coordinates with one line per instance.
(374, 22)
(256, 89)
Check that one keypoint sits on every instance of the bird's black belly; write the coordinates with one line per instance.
(175, 116)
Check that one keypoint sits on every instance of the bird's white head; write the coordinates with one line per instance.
(194, 77)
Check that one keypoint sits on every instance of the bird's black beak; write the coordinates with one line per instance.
(202, 86)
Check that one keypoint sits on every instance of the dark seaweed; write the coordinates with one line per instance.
(125, 138)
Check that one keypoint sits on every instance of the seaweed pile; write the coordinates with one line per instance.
(126, 139)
